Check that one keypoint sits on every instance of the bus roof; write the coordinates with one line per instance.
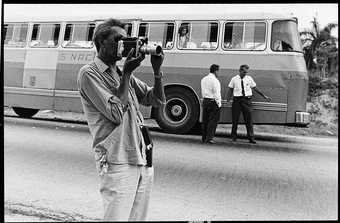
(146, 16)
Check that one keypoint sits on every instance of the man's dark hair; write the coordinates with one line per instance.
(104, 29)
(244, 66)
(214, 68)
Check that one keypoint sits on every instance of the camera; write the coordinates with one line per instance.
(140, 45)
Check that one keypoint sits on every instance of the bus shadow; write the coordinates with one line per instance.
(241, 135)
(224, 142)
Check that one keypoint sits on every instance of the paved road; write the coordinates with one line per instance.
(49, 168)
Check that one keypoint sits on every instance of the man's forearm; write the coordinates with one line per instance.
(259, 92)
(229, 94)
(159, 89)
(123, 89)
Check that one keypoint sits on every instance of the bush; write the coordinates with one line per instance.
(317, 86)
(329, 83)
(314, 109)
(314, 87)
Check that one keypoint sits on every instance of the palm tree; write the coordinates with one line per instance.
(320, 47)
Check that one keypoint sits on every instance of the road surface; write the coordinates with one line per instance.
(50, 171)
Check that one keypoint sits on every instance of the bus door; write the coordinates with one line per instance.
(77, 49)
(14, 59)
(40, 64)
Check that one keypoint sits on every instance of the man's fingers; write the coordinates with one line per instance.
(129, 56)
(141, 57)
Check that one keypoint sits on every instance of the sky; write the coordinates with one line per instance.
(325, 13)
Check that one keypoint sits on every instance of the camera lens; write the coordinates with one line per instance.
(152, 50)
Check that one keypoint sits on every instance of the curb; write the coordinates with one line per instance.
(40, 212)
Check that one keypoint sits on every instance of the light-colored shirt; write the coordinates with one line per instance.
(115, 128)
(211, 88)
(248, 84)
(183, 40)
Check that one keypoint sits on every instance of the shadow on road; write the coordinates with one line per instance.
(266, 142)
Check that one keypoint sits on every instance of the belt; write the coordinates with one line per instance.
(209, 99)
(239, 97)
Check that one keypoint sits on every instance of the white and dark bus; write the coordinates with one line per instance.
(42, 58)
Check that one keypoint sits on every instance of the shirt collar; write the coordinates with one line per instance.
(243, 77)
(100, 64)
(211, 74)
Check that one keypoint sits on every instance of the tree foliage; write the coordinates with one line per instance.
(320, 48)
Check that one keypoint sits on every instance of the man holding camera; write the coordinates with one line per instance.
(110, 100)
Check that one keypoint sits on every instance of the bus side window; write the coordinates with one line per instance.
(45, 35)
(183, 35)
(168, 41)
(143, 30)
(198, 35)
(128, 29)
(15, 35)
(233, 35)
(244, 36)
(78, 35)
(158, 33)
(255, 35)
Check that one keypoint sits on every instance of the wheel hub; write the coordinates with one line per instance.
(176, 110)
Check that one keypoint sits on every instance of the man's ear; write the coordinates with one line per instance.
(101, 42)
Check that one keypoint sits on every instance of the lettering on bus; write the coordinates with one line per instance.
(76, 57)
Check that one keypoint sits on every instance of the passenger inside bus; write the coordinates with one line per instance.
(281, 41)
(280, 45)
(183, 37)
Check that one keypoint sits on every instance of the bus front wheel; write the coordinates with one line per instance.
(180, 113)
(25, 112)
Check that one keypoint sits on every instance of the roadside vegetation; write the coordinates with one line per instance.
(321, 55)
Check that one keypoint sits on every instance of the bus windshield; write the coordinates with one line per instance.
(285, 36)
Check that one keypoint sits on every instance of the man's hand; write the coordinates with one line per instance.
(156, 62)
(267, 98)
(132, 63)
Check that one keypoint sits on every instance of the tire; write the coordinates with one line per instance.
(180, 113)
(25, 112)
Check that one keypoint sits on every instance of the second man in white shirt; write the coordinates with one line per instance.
(211, 94)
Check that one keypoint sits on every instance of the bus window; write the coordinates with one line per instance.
(285, 36)
(143, 30)
(244, 36)
(78, 35)
(198, 35)
(128, 29)
(158, 33)
(15, 35)
(45, 35)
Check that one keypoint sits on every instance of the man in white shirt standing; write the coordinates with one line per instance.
(240, 87)
(211, 94)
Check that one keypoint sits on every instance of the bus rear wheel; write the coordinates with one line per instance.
(25, 112)
(180, 113)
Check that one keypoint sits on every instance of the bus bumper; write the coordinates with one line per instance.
(302, 117)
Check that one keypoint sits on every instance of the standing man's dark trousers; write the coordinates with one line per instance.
(242, 104)
(211, 116)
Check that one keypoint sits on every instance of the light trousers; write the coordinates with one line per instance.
(125, 190)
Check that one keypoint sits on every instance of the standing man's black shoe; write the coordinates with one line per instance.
(234, 139)
(211, 142)
(252, 141)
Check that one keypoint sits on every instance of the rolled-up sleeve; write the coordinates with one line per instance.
(145, 94)
(231, 83)
(102, 98)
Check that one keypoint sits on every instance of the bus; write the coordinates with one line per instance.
(42, 57)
